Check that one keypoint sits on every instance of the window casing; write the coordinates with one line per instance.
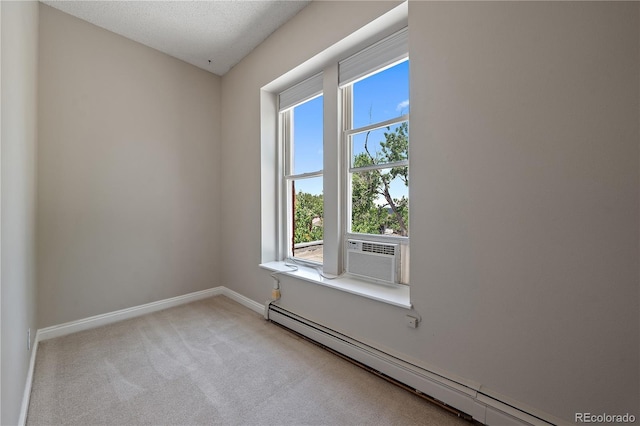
(376, 151)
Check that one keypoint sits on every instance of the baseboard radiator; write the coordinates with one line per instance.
(465, 401)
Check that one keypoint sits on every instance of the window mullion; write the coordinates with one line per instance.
(331, 177)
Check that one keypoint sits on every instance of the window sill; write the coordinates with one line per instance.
(393, 295)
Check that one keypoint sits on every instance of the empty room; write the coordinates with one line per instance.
(319, 212)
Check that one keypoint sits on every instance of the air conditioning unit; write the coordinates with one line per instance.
(374, 260)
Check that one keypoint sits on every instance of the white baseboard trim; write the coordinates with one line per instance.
(251, 304)
(502, 410)
(475, 402)
(123, 314)
(27, 387)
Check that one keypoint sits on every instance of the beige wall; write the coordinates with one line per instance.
(530, 187)
(129, 207)
(524, 179)
(19, 23)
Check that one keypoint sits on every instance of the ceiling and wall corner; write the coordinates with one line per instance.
(212, 35)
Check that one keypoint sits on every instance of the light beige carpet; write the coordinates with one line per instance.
(211, 362)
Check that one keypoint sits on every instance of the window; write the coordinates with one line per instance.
(301, 124)
(377, 140)
(350, 181)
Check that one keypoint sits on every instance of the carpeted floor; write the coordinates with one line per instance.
(211, 362)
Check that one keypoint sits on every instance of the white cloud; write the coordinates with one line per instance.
(402, 105)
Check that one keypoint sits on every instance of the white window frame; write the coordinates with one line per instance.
(286, 125)
(337, 153)
(288, 100)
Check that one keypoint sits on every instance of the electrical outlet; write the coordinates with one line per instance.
(29, 339)
(275, 294)
(412, 321)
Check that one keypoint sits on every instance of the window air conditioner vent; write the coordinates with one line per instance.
(373, 260)
(379, 248)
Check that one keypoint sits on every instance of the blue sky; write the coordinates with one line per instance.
(379, 97)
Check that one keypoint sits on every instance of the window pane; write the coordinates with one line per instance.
(307, 136)
(381, 96)
(380, 202)
(308, 219)
(380, 146)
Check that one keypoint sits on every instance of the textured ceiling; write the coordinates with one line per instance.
(220, 31)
